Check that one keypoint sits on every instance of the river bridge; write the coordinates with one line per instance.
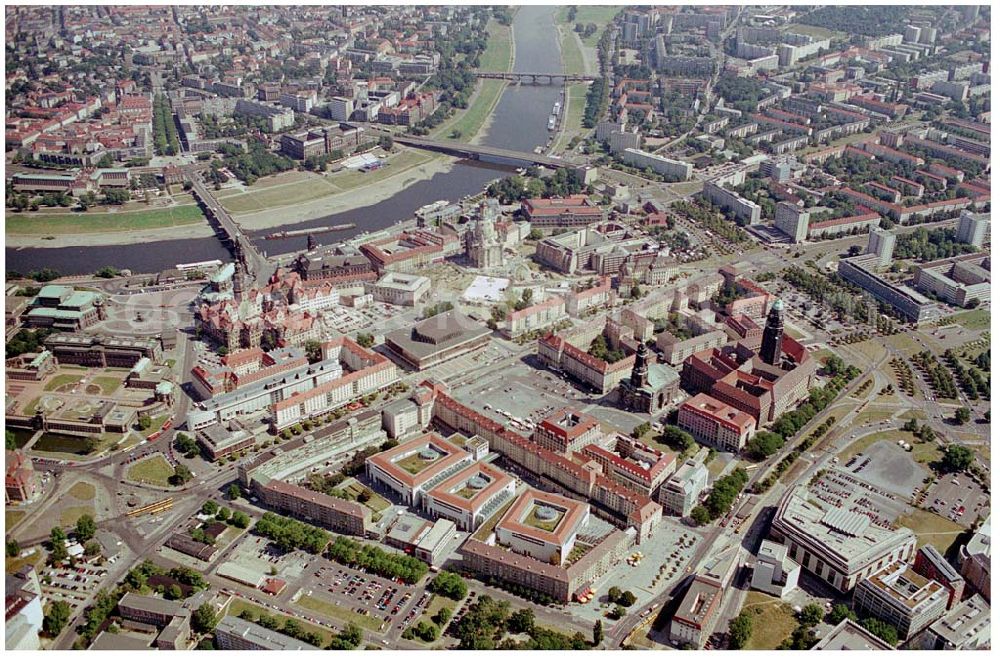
(483, 153)
(536, 78)
(248, 257)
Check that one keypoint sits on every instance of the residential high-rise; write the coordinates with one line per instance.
(881, 243)
(770, 345)
(973, 227)
(792, 221)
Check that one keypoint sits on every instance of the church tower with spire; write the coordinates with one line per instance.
(640, 371)
(774, 331)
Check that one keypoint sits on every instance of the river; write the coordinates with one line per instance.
(519, 123)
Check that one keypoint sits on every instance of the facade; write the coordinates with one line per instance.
(543, 526)
(881, 243)
(278, 118)
(960, 280)
(399, 289)
(559, 353)
(20, 480)
(716, 423)
(929, 563)
(219, 440)
(792, 221)
(967, 627)
(342, 516)
(632, 464)
(774, 572)
(437, 339)
(63, 308)
(567, 430)
(651, 387)
(695, 618)
(973, 228)
(237, 634)
(902, 598)
(682, 490)
(672, 170)
(745, 212)
(861, 271)
(533, 318)
(471, 496)
(102, 351)
(574, 210)
(837, 545)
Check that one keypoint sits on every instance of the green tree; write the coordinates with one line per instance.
(209, 507)
(56, 618)
(233, 492)
(700, 515)
(203, 619)
(811, 615)
(85, 528)
(365, 339)
(145, 422)
(449, 584)
(182, 475)
(614, 593)
(840, 612)
(956, 458)
(677, 439)
(10, 440)
(13, 548)
(598, 632)
(740, 630)
(881, 629)
(184, 443)
(963, 415)
(522, 621)
(314, 351)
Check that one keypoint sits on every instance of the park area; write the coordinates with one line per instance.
(773, 621)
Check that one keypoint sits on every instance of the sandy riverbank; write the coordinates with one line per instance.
(345, 201)
(110, 238)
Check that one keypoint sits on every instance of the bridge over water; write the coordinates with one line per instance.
(536, 78)
(483, 153)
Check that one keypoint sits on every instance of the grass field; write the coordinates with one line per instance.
(60, 443)
(397, 164)
(977, 319)
(61, 380)
(437, 602)
(600, 15)
(152, 470)
(773, 621)
(108, 384)
(236, 606)
(69, 515)
(866, 442)
(12, 564)
(577, 99)
(94, 221)
(931, 529)
(572, 58)
(82, 491)
(334, 611)
(872, 416)
(811, 30)
(904, 344)
(915, 414)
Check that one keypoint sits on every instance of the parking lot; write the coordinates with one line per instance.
(958, 498)
(74, 585)
(888, 467)
(845, 490)
(391, 604)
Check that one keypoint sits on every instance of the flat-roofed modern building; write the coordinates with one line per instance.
(959, 280)
(902, 598)
(973, 228)
(399, 288)
(774, 572)
(695, 617)
(416, 466)
(682, 490)
(967, 627)
(471, 496)
(849, 635)
(931, 564)
(237, 634)
(439, 338)
(837, 545)
(100, 351)
(861, 271)
(542, 525)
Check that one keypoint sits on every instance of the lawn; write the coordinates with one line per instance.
(913, 414)
(108, 385)
(600, 15)
(236, 606)
(573, 125)
(773, 621)
(931, 529)
(376, 503)
(72, 445)
(315, 187)
(811, 30)
(872, 416)
(82, 491)
(414, 463)
(498, 55)
(69, 515)
(904, 344)
(334, 611)
(398, 163)
(572, 58)
(12, 564)
(977, 319)
(155, 425)
(436, 603)
(60, 381)
(486, 529)
(95, 221)
(152, 470)
(12, 517)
